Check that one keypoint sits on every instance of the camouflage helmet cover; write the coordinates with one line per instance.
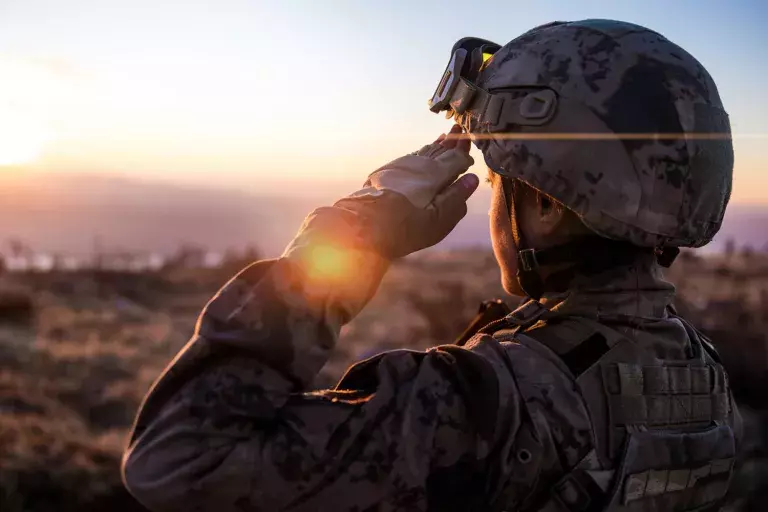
(608, 78)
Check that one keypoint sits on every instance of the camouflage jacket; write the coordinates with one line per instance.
(232, 424)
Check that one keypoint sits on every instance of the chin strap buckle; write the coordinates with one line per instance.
(665, 256)
(527, 260)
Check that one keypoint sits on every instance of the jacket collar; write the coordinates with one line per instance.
(636, 290)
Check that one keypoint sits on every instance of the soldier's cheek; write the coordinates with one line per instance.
(504, 248)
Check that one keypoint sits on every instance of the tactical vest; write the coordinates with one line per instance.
(663, 436)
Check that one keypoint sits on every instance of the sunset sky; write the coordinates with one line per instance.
(289, 96)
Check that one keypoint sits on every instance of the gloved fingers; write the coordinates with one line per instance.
(420, 177)
(432, 150)
(453, 163)
(464, 143)
(452, 140)
(455, 139)
(460, 143)
(446, 140)
(450, 206)
(454, 198)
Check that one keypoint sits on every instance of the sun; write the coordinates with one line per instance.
(28, 91)
(22, 141)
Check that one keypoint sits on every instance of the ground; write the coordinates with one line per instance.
(79, 350)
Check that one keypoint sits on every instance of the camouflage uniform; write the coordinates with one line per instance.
(232, 426)
(595, 397)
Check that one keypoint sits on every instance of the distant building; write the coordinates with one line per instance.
(213, 259)
(15, 263)
(130, 262)
(119, 261)
(70, 263)
(37, 262)
(191, 256)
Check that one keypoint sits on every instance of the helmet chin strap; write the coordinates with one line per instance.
(588, 254)
(527, 276)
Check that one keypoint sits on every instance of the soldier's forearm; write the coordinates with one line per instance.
(285, 314)
(288, 312)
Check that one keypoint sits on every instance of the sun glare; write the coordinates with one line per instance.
(29, 93)
(21, 142)
(19, 148)
(329, 262)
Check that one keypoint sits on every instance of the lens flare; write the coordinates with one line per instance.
(603, 136)
(328, 262)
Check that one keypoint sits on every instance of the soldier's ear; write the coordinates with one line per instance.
(550, 213)
(546, 205)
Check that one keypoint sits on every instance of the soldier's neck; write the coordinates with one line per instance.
(635, 289)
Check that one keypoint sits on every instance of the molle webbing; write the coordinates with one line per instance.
(669, 470)
(666, 443)
(665, 395)
(654, 482)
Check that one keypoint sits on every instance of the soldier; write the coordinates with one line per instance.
(607, 148)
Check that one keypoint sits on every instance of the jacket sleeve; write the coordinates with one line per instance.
(231, 423)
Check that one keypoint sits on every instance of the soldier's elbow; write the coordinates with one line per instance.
(156, 485)
(170, 473)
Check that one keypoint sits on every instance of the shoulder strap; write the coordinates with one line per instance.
(581, 347)
(521, 318)
(577, 343)
(694, 333)
(489, 311)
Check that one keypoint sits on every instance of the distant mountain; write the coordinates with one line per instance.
(744, 225)
(69, 213)
(72, 213)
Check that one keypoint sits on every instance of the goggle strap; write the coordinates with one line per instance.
(475, 102)
(464, 96)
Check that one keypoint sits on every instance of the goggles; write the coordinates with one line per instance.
(458, 95)
(467, 58)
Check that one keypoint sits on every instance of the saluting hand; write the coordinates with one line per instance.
(416, 200)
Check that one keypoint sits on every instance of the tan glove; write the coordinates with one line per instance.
(407, 205)
(412, 202)
(419, 176)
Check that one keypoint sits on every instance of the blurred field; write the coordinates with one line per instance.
(78, 350)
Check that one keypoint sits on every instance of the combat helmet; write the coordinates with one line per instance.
(610, 119)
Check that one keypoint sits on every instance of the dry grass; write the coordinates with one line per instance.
(74, 368)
